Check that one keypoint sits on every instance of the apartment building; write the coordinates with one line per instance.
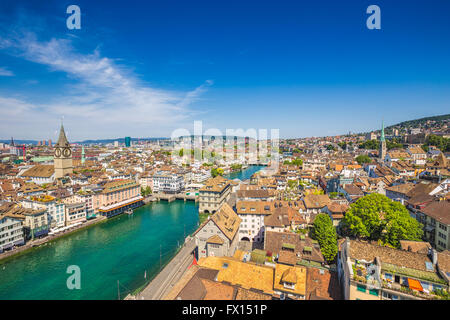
(214, 194)
(75, 213)
(252, 214)
(168, 182)
(55, 209)
(117, 197)
(218, 236)
(11, 231)
(435, 217)
(371, 272)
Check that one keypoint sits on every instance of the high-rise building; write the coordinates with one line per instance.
(382, 151)
(63, 156)
(127, 141)
(82, 155)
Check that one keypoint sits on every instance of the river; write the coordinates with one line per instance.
(123, 249)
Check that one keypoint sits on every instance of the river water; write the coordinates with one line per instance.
(121, 250)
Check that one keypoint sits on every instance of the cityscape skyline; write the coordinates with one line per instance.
(298, 68)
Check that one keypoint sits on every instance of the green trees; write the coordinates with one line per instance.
(325, 233)
(394, 144)
(369, 144)
(145, 192)
(440, 142)
(216, 172)
(361, 159)
(376, 217)
(297, 162)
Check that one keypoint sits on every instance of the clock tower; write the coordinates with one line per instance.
(63, 156)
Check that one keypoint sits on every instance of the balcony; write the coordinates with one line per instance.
(408, 291)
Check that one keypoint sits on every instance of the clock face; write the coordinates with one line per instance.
(58, 152)
(66, 152)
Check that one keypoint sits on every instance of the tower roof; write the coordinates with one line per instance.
(62, 140)
(382, 131)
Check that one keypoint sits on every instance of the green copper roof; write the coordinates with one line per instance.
(382, 131)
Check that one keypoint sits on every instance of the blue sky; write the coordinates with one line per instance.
(145, 68)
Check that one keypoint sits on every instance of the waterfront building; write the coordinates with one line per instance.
(35, 222)
(371, 272)
(63, 156)
(88, 196)
(75, 212)
(117, 197)
(11, 231)
(218, 235)
(214, 194)
(168, 182)
(55, 209)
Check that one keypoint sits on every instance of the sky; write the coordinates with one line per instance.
(147, 68)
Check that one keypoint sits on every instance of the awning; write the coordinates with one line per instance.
(414, 284)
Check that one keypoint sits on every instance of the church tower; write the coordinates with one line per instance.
(382, 151)
(63, 156)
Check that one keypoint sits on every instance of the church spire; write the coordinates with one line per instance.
(382, 131)
(62, 140)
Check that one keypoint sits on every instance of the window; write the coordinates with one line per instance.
(361, 288)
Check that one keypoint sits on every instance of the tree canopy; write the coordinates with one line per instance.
(440, 142)
(361, 159)
(376, 217)
(216, 172)
(325, 233)
(370, 145)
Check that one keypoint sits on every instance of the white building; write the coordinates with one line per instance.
(55, 209)
(252, 214)
(11, 232)
(168, 182)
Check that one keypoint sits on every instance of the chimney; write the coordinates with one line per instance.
(434, 256)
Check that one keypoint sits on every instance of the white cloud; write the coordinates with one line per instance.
(108, 100)
(5, 72)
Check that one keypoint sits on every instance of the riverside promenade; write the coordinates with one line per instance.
(42, 241)
(160, 286)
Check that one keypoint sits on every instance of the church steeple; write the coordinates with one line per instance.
(382, 151)
(62, 140)
(62, 160)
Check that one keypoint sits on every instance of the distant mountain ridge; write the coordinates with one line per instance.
(97, 141)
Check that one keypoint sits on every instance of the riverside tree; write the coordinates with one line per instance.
(325, 233)
(376, 217)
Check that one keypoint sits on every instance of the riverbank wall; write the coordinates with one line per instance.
(39, 242)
